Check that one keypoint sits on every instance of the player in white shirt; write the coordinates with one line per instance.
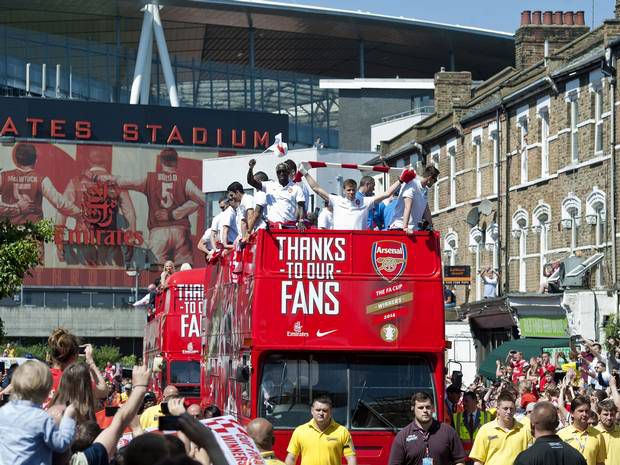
(326, 217)
(245, 207)
(205, 244)
(351, 213)
(256, 220)
(228, 225)
(285, 199)
(413, 203)
(302, 185)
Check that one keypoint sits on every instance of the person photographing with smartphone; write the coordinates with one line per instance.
(150, 416)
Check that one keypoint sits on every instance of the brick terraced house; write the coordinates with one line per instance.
(528, 176)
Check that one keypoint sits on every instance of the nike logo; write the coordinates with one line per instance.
(320, 333)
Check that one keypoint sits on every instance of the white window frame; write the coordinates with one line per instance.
(494, 138)
(596, 215)
(571, 217)
(541, 219)
(435, 152)
(520, 224)
(596, 86)
(475, 246)
(542, 112)
(523, 125)
(491, 243)
(451, 246)
(572, 98)
(476, 140)
(451, 147)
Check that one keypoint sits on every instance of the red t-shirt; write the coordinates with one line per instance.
(527, 398)
(518, 369)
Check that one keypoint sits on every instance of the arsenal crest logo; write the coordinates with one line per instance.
(389, 258)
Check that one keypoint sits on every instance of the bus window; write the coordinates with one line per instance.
(185, 372)
(368, 391)
(381, 389)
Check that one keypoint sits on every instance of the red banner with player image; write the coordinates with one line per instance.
(114, 207)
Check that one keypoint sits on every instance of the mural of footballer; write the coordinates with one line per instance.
(23, 189)
(171, 200)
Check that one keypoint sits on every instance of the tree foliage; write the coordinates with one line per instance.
(104, 354)
(20, 251)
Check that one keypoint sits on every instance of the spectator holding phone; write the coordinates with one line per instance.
(64, 349)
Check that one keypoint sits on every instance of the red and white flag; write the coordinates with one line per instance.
(278, 147)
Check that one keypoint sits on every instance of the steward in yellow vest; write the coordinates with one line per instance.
(468, 422)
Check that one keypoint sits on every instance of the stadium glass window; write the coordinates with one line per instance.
(55, 299)
(102, 299)
(368, 391)
(79, 299)
(34, 298)
(122, 300)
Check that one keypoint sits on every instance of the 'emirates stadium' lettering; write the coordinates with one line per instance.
(310, 264)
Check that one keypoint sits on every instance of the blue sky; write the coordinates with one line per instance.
(501, 15)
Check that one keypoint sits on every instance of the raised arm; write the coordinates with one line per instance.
(388, 193)
(101, 388)
(251, 181)
(313, 184)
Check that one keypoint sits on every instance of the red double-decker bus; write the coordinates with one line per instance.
(357, 315)
(174, 334)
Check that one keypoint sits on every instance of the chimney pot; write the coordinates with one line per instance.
(568, 18)
(547, 18)
(535, 17)
(525, 17)
(580, 18)
(557, 17)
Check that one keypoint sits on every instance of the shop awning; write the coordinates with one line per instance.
(530, 347)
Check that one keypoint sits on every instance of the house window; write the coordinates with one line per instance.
(477, 142)
(541, 218)
(522, 124)
(596, 215)
(571, 218)
(572, 98)
(451, 246)
(494, 136)
(452, 155)
(519, 231)
(475, 246)
(435, 160)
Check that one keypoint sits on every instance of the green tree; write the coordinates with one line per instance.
(36, 350)
(20, 252)
(2, 335)
(104, 354)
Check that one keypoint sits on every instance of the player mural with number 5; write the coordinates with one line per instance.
(171, 200)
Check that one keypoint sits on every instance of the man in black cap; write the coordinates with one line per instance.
(548, 449)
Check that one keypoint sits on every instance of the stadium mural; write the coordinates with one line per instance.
(113, 207)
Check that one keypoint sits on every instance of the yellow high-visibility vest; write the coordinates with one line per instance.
(461, 427)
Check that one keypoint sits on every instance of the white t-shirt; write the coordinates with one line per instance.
(412, 190)
(282, 201)
(247, 203)
(326, 219)
(351, 214)
(215, 225)
(229, 218)
(260, 200)
(206, 239)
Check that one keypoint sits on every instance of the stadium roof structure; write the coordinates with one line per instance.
(305, 39)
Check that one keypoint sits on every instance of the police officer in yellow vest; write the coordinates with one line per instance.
(468, 422)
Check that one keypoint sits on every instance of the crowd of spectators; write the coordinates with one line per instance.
(67, 411)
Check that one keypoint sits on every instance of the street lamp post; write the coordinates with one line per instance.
(134, 274)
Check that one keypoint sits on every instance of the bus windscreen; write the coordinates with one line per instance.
(368, 391)
(185, 372)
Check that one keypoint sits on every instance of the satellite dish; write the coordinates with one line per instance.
(485, 207)
(473, 216)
